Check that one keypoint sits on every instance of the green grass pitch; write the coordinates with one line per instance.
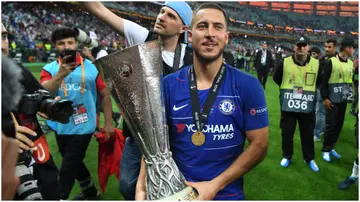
(268, 181)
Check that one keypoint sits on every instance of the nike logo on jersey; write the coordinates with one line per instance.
(178, 108)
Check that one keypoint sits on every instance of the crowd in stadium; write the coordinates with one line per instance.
(32, 24)
(209, 98)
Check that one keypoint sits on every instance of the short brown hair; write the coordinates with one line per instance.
(212, 6)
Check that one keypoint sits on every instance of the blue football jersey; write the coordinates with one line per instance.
(239, 106)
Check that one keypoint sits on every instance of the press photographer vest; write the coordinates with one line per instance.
(298, 86)
(73, 83)
(340, 89)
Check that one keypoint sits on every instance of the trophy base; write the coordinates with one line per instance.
(188, 194)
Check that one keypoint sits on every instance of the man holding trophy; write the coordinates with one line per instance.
(207, 145)
(171, 26)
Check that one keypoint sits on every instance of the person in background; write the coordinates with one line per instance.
(330, 51)
(355, 80)
(29, 136)
(297, 76)
(80, 82)
(335, 91)
(263, 63)
(353, 178)
(315, 52)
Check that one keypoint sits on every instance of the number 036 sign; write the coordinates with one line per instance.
(298, 104)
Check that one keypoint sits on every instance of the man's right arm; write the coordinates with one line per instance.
(326, 70)
(105, 15)
(278, 74)
(51, 84)
(133, 33)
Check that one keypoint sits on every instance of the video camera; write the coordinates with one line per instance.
(82, 37)
(43, 102)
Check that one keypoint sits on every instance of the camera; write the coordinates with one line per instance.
(43, 102)
(28, 189)
(82, 37)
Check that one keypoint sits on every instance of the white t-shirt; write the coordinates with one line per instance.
(136, 34)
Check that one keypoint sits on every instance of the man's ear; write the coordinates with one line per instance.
(227, 37)
(190, 36)
(76, 45)
(183, 29)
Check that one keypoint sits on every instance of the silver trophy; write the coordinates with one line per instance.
(134, 78)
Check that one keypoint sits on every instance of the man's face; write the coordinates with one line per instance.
(67, 43)
(264, 46)
(350, 51)
(209, 34)
(330, 49)
(168, 23)
(4, 41)
(315, 55)
(301, 50)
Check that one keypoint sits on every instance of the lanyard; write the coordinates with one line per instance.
(176, 63)
(201, 117)
(82, 79)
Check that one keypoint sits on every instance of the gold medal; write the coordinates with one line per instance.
(198, 138)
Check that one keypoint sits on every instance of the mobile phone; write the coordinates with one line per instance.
(73, 56)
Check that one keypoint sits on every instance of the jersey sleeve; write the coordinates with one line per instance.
(45, 76)
(134, 33)
(100, 84)
(255, 109)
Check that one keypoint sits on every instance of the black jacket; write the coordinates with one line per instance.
(30, 84)
(278, 74)
(269, 61)
(327, 69)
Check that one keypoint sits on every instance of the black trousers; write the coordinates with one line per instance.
(73, 149)
(46, 175)
(263, 75)
(306, 125)
(357, 138)
(334, 120)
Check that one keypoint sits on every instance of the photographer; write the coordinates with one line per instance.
(78, 80)
(92, 50)
(32, 141)
(11, 93)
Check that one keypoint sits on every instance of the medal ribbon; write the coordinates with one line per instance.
(200, 118)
